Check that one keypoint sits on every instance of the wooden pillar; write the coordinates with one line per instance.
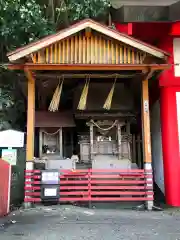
(146, 123)
(139, 151)
(134, 149)
(146, 137)
(40, 142)
(30, 129)
(91, 142)
(30, 116)
(61, 142)
(128, 132)
(119, 140)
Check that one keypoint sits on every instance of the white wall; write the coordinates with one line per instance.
(176, 49)
(119, 3)
(157, 146)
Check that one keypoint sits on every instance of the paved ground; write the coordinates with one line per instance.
(75, 223)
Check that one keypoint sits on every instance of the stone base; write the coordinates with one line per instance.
(27, 205)
(149, 205)
(29, 166)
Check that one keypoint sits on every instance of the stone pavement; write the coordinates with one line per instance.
(75, 223)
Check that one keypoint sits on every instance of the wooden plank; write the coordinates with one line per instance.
(40, 142)
(84, 50)
(120, 182)
(119, 140)
(129, 55)
(135, 193)
(118, 176)
(76, 49)
(96, 50)
(112, 52)
(121, 54)
(63, 52)
(125, 54)
(73, 188)
(92, 67)
(67, 182)
(139, 151)
(121, 187)
(122, 199)
(68, 49)
(117, 56)
(32, 182)
(59, 52)
(80, 49)
(55, 53)
(146, 122)
(91, 129)
(108, 52)
(61, 142)
(47, 55)
(30, 116)
(33, 57)
(105, 60)
(39, 57)
(72, 50)
(100, 50)
(74, 193)
(88, 50)
(137, 58)
(133, 57)
(32, 188)
(133, 148)
(92, 49)
(51, 54)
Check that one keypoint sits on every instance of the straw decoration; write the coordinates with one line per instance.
(108, 102)
(54, 105)
(83, 98)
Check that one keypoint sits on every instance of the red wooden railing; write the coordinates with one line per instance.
(95, 185)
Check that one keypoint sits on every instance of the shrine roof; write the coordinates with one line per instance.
(79, 26)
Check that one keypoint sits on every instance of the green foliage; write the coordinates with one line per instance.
(12, 108)
(65, 12)
(22, 21)
(81, 9)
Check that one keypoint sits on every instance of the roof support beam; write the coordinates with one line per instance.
(88, 67)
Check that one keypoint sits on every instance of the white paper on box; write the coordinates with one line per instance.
(50, 192)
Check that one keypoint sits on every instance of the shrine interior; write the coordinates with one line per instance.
(111, 136)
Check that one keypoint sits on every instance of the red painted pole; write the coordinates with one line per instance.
(170, 144)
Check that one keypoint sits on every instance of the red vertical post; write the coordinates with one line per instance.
(170, 144)
(5, 186)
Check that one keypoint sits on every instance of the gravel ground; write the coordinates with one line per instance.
(75, 223)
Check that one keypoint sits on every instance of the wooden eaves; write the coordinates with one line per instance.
(88, 67)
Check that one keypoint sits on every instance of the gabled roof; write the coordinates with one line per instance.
(73, 29)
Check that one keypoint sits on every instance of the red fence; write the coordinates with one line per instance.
(95, 185)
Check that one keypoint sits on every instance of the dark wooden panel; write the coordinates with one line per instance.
(58, 119)
(122, 98)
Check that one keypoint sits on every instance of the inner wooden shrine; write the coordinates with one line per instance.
(98, 79)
